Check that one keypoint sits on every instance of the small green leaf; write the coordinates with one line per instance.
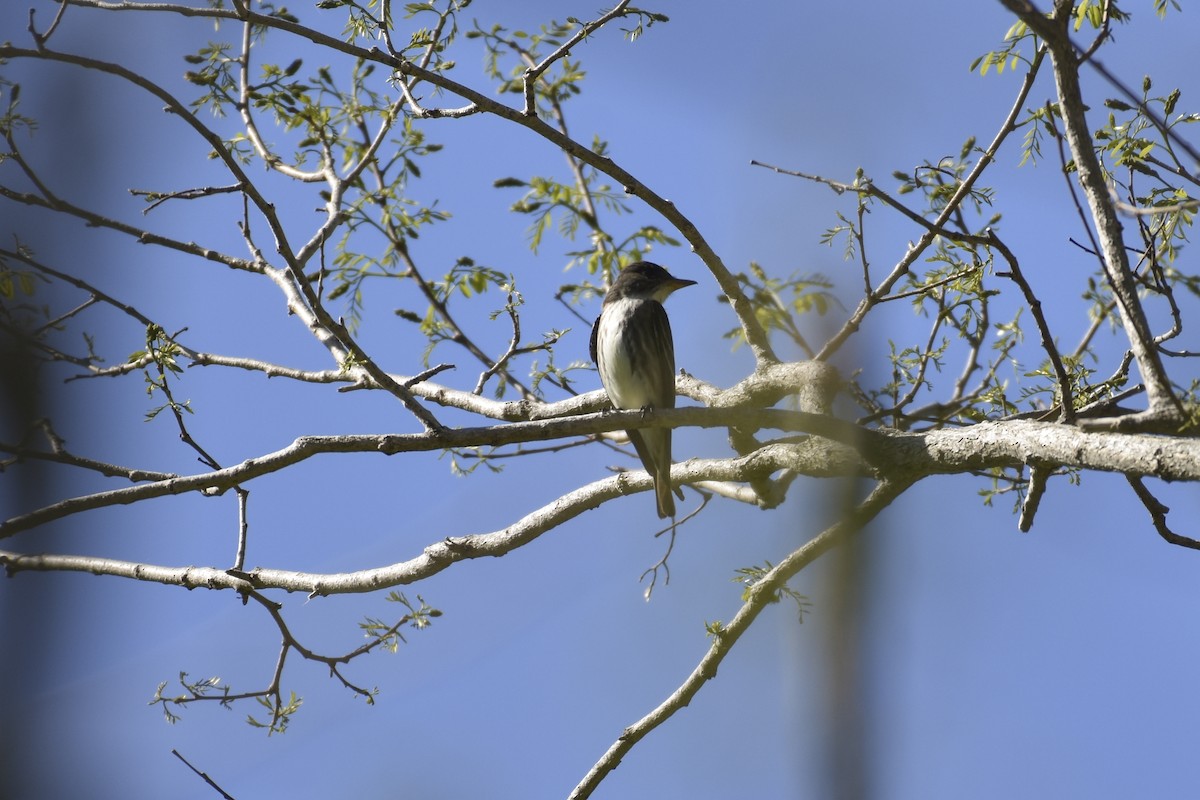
(1172, 99)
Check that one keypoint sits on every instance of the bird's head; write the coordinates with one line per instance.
(646, 280)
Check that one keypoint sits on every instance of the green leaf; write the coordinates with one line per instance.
(1169, 105)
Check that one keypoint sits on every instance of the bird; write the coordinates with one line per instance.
(633, 350)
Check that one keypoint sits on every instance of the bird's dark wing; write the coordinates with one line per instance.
(652, 352)
(651, 457)
(592, 343)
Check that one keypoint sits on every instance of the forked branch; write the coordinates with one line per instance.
(1164, 410)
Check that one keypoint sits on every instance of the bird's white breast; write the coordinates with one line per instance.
(616, 368)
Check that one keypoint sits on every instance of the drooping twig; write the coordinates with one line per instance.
(243, 494)
(1158, 515)
(272, 694)
(662, 564)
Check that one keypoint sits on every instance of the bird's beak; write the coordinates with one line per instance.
(670, 286)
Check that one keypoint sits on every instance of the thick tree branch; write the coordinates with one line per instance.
(450, 550)
(218, 481)
(893, 454)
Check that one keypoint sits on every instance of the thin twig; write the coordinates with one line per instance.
(203, 775)
(932, 229)
(1067, 401)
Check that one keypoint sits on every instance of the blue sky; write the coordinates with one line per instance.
(994, 664)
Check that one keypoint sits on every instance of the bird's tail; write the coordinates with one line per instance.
(654, 449)
(662, 491)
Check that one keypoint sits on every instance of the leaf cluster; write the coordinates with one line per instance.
(162, 353)
(750, 577)
(780, 302)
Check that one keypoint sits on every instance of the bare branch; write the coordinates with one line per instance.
(1158, 515)
(158, 198)
(762, 594)
(142, 236)
(42, 38)
(59, 454)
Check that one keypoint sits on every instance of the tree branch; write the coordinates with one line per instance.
(893, 454)
(1164, 408)
(217, 482)
(756, 336)
(933, 229)
(761, 594)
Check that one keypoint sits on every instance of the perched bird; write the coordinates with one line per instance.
(633, 349)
